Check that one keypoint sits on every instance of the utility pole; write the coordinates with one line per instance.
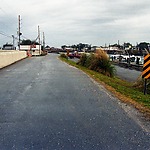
(43, 41)
(39, 40)
(118, 42)
(13, 42)
(19, 33)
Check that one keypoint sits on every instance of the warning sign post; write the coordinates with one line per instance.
(146, 71)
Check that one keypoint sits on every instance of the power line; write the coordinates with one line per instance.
(2, 33)
(8, 36)
(11, 21)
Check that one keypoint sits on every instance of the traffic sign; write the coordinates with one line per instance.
(146, 67)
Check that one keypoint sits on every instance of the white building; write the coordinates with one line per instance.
(33, 49)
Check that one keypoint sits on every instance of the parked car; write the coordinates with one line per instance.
(71, 55)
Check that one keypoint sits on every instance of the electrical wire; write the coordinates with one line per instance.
(12, 21)
(2, 33)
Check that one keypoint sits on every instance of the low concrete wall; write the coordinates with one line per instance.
(10, 57)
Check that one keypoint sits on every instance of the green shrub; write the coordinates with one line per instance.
(89, 60)
(82, 60)
(103, 66)
(64, 56)
(98, 62)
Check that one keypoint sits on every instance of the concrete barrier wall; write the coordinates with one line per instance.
(10, 57)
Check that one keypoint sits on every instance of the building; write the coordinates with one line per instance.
(34, 50)
(8, 47)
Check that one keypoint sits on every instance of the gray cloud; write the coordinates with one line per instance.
(68, 22)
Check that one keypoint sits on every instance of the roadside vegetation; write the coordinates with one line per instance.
(128, 92)
(98, 62)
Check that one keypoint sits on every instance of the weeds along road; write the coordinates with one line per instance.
(123, 73)
(46, 104)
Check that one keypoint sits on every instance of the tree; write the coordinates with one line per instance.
(28, 42)
(80, 46)
(89, 47)
(142, 47)
(63, 47)
(127, 45)
(74, 47)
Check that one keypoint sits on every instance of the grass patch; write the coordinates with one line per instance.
(123, 90)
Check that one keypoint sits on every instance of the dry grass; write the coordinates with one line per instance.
(99, 62)
(101, 54)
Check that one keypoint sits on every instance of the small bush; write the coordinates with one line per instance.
(64, 56)
(89, 60)
(82, 60)
(98, 62)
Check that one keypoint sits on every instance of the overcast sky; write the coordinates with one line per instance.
(70, 22)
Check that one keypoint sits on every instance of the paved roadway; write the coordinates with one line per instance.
(127, 74)
(47, 105)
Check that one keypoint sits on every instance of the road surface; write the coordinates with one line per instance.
(46, 104)
(127, 74)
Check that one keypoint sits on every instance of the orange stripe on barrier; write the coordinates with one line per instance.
(146, 56)
(146, 64)
(145, 71)
(146, 67)
(147, 77)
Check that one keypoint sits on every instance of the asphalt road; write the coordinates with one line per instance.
(47, 105)
(127, 74)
